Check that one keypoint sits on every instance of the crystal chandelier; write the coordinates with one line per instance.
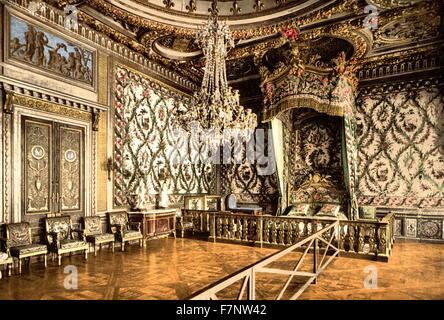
(216, 107)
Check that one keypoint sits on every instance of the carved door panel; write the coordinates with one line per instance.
(38, 166)
(70, 164)
(53, 168)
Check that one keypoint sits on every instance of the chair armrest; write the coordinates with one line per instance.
(138, 225)
(81, 233)
(116, 228)
(6, 242)
(52, 237)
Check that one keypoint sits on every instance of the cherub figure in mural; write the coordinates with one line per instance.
(85, 59)
(55, 58)
(30, 36)
(40, 42)
(71, 63)
(78, 73)
(15, 46)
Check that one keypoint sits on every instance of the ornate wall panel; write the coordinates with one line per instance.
(401, 149)
(71, 173)
(144, 140)
(245, 181)
(316, 147)
(38, 167)
(102, 154)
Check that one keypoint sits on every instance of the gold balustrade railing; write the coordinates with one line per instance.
(361, 237)
(320, 244)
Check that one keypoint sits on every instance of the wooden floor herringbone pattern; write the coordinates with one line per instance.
(177, 268)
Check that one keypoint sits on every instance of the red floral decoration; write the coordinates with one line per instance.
(291, 33)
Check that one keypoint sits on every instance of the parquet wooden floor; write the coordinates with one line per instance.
(176, 268)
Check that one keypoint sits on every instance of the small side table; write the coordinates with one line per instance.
(8, 262)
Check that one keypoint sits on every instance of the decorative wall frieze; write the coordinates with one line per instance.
(401, 62)
(21, 90)
(399, 86)
(56, 18)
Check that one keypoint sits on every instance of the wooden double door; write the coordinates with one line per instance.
(53, 168)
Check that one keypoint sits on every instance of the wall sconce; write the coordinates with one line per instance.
(110, 166)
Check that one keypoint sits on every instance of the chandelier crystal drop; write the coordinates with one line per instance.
(216, 107)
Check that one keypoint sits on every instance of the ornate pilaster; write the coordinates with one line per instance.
(6, 119)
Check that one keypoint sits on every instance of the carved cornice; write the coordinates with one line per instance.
(42, 99)
(55, 108)
(411, 85)
(244, 33)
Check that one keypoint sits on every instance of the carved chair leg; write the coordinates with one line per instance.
(52, 256)
(141, 243)
(20, 265)
(1, 274)
(123, 245)
(95, 251)
(59, 256)
(46, 260)
(114, 245)
(86, 254)
(9, 267)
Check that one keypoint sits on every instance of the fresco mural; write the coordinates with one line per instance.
(41, 49)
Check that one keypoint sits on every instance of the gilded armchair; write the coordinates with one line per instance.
(60, 237)
(94, 235)
(19, 244)
(122, 228)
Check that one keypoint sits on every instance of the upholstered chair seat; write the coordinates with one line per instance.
(100, 237)
(61, 239)
(19, 243)
(123, 229)
(31, 248)
(93, 233)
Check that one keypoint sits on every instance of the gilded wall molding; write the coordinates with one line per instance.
(49, 107)
(103, 78)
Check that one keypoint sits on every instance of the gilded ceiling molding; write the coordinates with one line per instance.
(258, 5)
(168, 4)
(400, 56)
(191, 6)
(403, 25)
(235, 9)
(345, 30)
(118, 14)
(390, 4)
